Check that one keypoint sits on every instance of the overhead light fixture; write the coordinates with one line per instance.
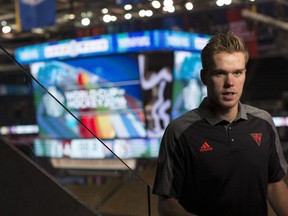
(71, 16)
(128, 7)
(156, 4)
(168, 2)
(149, 13)
(6, 29)
(142, 13)
(169, 8)
(104, 10)
(3, 22)
(89, 13)
(145, 13)
(128, 16)
(109, 18)
(228, 2)
(189, 5)
(106, 18)
(113, 18)
(85, 21)
(220, 3)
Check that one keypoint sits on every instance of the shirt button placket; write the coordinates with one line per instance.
(231, 139)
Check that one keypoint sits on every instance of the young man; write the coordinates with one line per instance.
(223, 158)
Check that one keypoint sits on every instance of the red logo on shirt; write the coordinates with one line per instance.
(205, 147)
(257, 137)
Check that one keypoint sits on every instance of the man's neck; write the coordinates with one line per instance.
(228, 114)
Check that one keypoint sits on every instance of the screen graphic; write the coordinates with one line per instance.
(156, 82)
(188, 89)
(103, 93)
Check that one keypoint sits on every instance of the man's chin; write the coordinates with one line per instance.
(228, 104)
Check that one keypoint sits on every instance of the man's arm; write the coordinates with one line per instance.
(168, 206)
(278, 197)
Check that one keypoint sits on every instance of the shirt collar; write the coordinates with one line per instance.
(213, 118)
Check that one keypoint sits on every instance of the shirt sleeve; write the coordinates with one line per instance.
(277, 161)
(170, 172)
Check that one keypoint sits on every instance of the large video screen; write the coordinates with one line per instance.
(123, 89)
(126, 100)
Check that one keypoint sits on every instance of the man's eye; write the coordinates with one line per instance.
(237, 73)
(219, 73)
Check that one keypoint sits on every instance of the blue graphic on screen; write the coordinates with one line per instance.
(188, 89)
(102, 92)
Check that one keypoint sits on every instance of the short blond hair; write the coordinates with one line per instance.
(225, 42)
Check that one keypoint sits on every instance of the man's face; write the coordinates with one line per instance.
(225, 82)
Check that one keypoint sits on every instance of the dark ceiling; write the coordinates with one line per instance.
(63, 28)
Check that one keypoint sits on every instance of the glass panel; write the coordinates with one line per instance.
(79, 124)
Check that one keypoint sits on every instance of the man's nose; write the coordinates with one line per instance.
(229, 80)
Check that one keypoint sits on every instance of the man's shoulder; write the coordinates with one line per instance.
(253, 109)
(187, 119)
(190, 116)
(257, 112)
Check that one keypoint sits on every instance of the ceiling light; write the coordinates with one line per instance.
(149, 13)
(38, 30)
(89, 14)
(169, 8)
(113, 18)
(3, 23)
(189, 5)
(107, 18)
(128, 7)
(220, 3)
(168, 2)
(71, 16)
(145, 13)
(85, 21)
(156, 4)
(228, 2)
(128, 16)
(104, 11)
(142, 13)
(6, 29)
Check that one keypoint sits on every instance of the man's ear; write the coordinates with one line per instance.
(203, 76)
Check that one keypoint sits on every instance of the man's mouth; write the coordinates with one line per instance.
(228, 95)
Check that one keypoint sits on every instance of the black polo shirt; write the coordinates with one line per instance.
(216, 168)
